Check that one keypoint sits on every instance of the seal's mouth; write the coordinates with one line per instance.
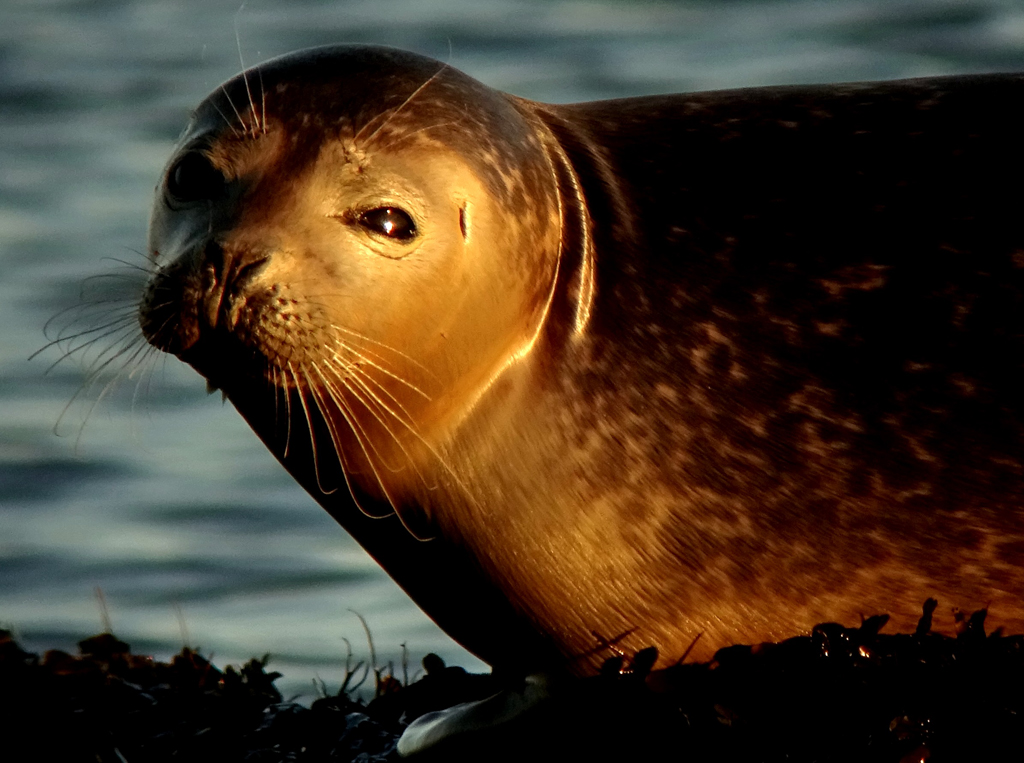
(241, 350)
(226, 362)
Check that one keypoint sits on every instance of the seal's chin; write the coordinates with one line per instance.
(230, 365)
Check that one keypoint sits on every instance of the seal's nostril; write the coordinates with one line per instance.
(230, 267)
(227, 272)
(214, 259)
(245, 271)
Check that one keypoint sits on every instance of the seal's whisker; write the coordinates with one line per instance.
(120, 321)
(245, 78)
(95, 371)
(87, 307)
(158, 333)
(275, 387)
(280, 383)
(143, 375)
(159, 306)
(347, 412)
(102, 333)
(359, 429)
(367, 360)
(348, 416)
(73, 314)
(332, 432)
(381, 116)
(371, 384)
(135, 275)
(111, 354)
(108, 330)
(238, 115)
(150, 360)
(336, 441)
(136, 365)
(148, 265)
(263, 99)
(96, 305)
(286, 395)
(150, 352)
(368, 357)
(394, 112)
(92, 377)
(361, 438)
(336, 397)
(367, 383)
(312, 431)
(132, 362)
(406, 135)
(98, 308)
(380, 413)
(381, 409)
(407, 421)
(231, 126)
(385, 346)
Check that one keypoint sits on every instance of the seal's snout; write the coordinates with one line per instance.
(227, 275)
(200, 295)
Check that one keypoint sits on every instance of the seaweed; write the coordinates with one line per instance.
(838, 694)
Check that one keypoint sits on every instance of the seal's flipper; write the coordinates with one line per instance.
(473, 718)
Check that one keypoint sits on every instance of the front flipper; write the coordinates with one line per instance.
(459, 722)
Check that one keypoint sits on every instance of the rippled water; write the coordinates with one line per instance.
(164, 499)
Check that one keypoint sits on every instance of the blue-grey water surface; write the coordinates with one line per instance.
(163, 498)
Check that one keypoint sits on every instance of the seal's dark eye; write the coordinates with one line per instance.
(389, 221)
(193, 177)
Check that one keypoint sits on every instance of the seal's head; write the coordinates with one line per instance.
(318, 233)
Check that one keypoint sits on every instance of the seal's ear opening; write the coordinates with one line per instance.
(464, 221)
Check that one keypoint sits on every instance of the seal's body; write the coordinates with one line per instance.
(601, 376)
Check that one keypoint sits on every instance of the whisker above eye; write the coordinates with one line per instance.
(412, 133)
(396, 111)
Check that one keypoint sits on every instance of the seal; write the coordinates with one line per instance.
(596, 377)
